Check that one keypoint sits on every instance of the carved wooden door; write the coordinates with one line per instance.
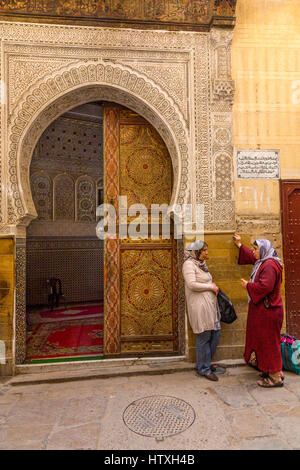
(140, 278)
(290, 207)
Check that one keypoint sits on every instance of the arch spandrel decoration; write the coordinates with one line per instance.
(72, 86)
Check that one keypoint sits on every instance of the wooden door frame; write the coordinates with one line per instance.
(283, 210)
(112, 253)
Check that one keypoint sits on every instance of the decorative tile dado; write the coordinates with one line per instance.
(20, 308)
(78, 262)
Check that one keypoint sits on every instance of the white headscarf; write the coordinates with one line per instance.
(192, 252)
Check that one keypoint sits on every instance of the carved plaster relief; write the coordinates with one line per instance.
(23, 71)
(85, 199)
(173, 78)
(139, 91)
(42, 194)
(221, 82)
(188, 98)
(222, 93)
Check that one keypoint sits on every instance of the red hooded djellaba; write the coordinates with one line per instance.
(265, 310)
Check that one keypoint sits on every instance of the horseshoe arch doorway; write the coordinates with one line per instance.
(121, 294)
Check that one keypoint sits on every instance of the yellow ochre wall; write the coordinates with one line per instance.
(266, 70)
(266, 115)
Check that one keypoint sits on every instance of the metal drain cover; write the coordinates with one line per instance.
(159, 416)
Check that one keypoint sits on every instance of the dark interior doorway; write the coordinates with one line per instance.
(64, 255)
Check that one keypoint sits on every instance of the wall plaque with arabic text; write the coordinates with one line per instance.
(257, 164)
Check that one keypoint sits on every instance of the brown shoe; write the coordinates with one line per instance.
(211, 376)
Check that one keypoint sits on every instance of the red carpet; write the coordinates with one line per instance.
(66, 338)
(73, 312)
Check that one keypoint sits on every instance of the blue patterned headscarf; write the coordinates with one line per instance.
(266, 251)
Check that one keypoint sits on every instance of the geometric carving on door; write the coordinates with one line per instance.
(141, 304)
(144, 162)
(145, 290)
(111, 245)
(147, 307)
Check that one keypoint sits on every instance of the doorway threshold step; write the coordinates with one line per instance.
(97, 364)
(106, 369)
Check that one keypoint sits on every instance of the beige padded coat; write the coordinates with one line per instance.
(203, 310)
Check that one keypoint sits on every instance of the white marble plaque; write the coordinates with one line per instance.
(258, 164)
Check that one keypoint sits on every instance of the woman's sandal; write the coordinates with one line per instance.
(268, 382)
(265, 375)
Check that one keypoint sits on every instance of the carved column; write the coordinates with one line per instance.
(222, 94)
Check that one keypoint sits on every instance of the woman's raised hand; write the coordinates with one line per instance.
(237, 240)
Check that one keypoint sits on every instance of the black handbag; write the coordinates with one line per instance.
(226, 307)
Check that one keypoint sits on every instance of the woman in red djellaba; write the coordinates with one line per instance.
(265, 310)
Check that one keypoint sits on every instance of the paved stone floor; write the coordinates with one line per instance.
(233, 413)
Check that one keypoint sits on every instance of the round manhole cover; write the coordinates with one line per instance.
(159, 416)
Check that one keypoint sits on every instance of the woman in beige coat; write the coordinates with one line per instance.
(203, 311)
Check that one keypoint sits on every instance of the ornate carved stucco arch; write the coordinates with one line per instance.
(71, 86)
